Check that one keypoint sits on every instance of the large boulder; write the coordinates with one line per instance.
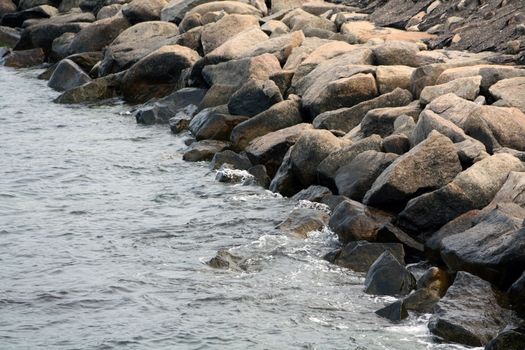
(98, 35)
(395, 52)
(271, 148)
(355, 179)
(387, 276)
(25, 58)
(360, 255)
(229, 7)
(467, 88)
(67, 75)
(16, 19)
(452, 108)
(143, 10)
(135, 43)
(345, 119)
(215, 34)
(391, 77)
(510, 92)
(497, 127)
(469, 313)
(310, 150)
(93, 91)
(381, 121)
(204, 150)
(429, 121)
(285, 182)
(216, 126)
(279, 116)
(254, 97)
(517, 295)
(299, 19)
(353, 221)
(8, 36)
(471, 189)
(157, 74)
(430, 165)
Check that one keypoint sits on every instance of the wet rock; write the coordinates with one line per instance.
(142, 82)
(217, 126)
(387, 276)
(497, 127)
(327, 169)
(389, 233)
(395, 52)
(395, 312)
(435, 279)
(226, 260)
(313, 193)
(8, 36)
(285, 181)
(254, 97)
(260, 176)
(60, 46)
(510, 92)
(180, 105)
(237, 161)
(232, 176)
(360, 255)
(471, 189)
(512, 339)
(355, 179)
(16, 19)
(143, 10)
(346, 119)
(391, 77)
(271, 148)
(467, 88)
(94, 91)
(135, 43)
(396, 143)
(281, 115)
(469, 313)
(25, 58)
(215, 34)
(204, 150)
(98, 35)
(353, 221)
(312, 147)
(67, 75)
(301, 221)
(381, 121)
(422, 301)
(517, 295)
(431, 164)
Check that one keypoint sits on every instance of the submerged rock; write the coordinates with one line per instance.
(395, 312)
(303, 220)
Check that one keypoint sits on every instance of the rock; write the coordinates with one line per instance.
(16, 19)
(360, 255)
(273, 26)
(510, 91)
(517, 295)
(313, 193)
(422, 301)
(285, 181)
(470, 151)
(8, 36)
(260, 176)
(391, 77)
(381, 121)
(181, 104)
(395, 312)
(301, 221)
(229, 7)
(389, 233)
(93, 91)
(469, 313)
(98, 35)
(25, 58)
(232, 176)
(328, 168)
(452, 108)
(271, 148)
(395, 52)
(312, 147)
(497, 127)
(109, 11)
(299, 19)
(471, 189)
(238, 72)
(512, 339)
(135, 43)
(7, 6)
(355, 179)
(280, 5)
(430, 165)
(345, 119)
(429, 121)
(217, 126)
(353, 221)
(254, 97)
(435, 279)
(226, 260)
(365, 31)
(142, 82)
(60, 47)
(67, 75)
(238, 161)
(388, 277)
(281, 115)
(143, 10)
(467, 88)
(204, 150)
(215, 34)
(397, 144)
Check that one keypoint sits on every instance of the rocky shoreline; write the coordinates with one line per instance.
(371, 114)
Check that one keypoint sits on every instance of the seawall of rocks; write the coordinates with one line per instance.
(410, 148)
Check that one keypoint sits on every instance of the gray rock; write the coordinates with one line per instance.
(395, 312)
(360, 255)
(67, 75)
(25, 58)
(238, 161)
(314, 193)
(60, 47)
(429, 121)
(512, 339)
(422, 301)
(98, 35)
(452, 108)
(517, 295)
(381, 121)
(204, 150)
(8, 36)
(94, 91)
(285, 181)
(260, 176)
(143, 10)
(396, 143)
(395, 52)
(254, 97)
(215, 34)
(467, 88)
(301, 221)
(387, 276)
(511, 91)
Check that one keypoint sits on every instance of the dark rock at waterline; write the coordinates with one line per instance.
(389, 233)
(513, 339)
(388, 277)
(254, 97)
(285, 181)
(360, 255)
(469, 313)
(332, 201)
(93, 91)
(25, 58)
(435, 279)
(260, 175)
(143, 10)
(314, 193)
(237, 161)
(395, 312)
(204, 150)
(517, 295)
(218, 126)
(422, 300)
(353, 221)
(226, 260)
(303, 220)
(67, 75)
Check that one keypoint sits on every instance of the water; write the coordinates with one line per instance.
(104, 234)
